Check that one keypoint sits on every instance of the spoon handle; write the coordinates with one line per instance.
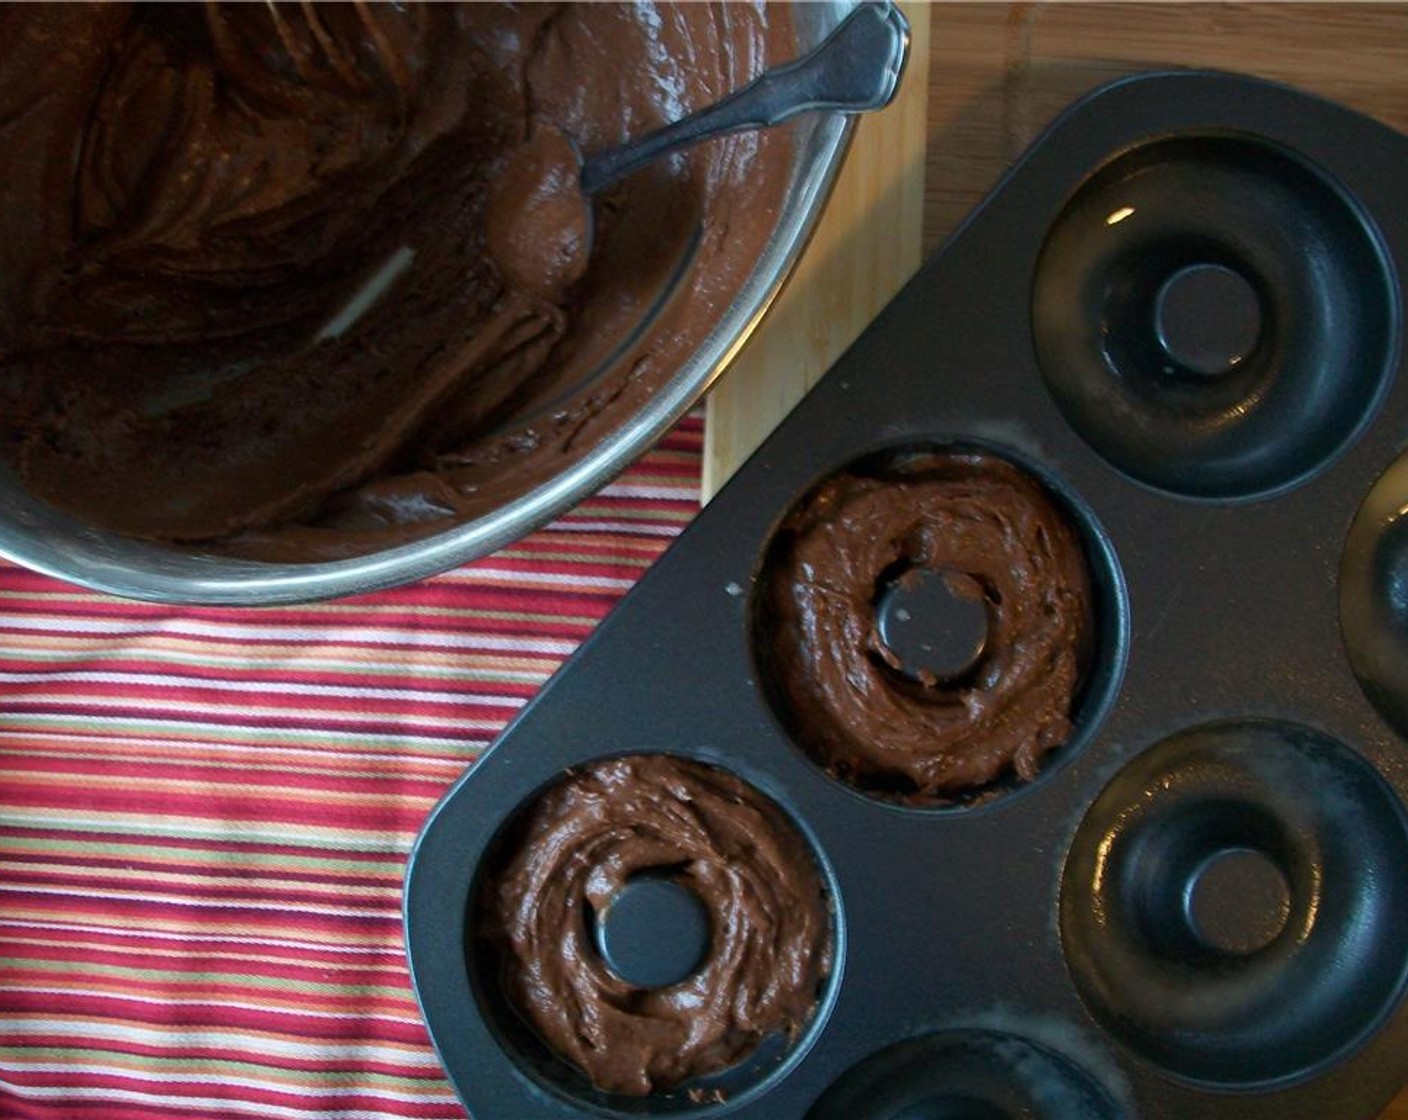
(855, 68)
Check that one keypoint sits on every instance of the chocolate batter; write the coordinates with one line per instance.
(881, 725)
(258, 294)
(770, 926)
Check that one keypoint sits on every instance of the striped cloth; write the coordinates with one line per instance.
(205, 814)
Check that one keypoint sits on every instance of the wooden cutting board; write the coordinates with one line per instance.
(983, 80)
(866, 246)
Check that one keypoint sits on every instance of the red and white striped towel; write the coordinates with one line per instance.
(205, 815)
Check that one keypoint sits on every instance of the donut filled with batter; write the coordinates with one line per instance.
(992, 532)
(580, 843)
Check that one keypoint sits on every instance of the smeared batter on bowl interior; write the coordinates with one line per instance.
(256, 296)
(994, 532)
(580, 843)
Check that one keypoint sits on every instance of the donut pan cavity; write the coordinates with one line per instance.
(1180, 313)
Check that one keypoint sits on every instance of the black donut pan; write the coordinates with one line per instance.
(1199, 908)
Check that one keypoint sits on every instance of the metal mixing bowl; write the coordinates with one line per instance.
(38, 536)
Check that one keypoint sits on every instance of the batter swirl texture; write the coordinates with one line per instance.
(256, 297)
(992, 532)
(578, 846)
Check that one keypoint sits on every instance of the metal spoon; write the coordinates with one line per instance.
(540, 221)
(855, 69)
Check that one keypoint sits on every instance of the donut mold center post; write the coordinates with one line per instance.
(934, 622)
(1207, 319)
(1238, 901)
(655, 932)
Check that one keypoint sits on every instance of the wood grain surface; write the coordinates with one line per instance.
(997, 74)
(866, 246)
